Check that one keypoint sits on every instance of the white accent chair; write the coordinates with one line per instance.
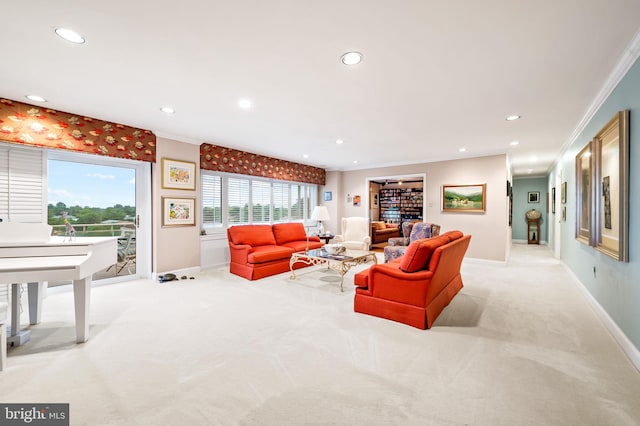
(3, 334)
(355, 233)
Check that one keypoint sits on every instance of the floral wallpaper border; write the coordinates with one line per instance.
(221, 159)
(44, 127)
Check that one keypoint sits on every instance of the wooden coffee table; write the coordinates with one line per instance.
(338, 262)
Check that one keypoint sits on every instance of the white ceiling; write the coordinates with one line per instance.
(437, 75)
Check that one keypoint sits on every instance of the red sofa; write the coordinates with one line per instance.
(258, 251)
(414, 288)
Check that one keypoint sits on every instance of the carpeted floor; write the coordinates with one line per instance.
(518, 346)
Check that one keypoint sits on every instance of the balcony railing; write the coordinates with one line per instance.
(115, 229)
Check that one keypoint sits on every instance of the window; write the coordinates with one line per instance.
(232, 199)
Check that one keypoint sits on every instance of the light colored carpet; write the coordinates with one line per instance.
(518, 346)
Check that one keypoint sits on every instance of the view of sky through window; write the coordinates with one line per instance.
(90, 185)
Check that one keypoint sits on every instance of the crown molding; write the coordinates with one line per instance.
(629, 57)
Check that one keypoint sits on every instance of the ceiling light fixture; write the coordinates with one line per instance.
(168, 110)
(351, 58)
(512, 117)
(355, 161)
(339, 141)
(69, 35)
(514, 143)
(244, 103)
(462, 149)
(305, 155)
(36, 98)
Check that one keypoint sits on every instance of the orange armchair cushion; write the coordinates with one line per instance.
(252, 235)
(419, 252)
(287, 232)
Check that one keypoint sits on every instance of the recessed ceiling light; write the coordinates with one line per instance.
(462, 149)
(339, 141)
(36, 98)
(70, 35)
(355, 161)
(244, 103)
(533, 159)
(514, 143)
(167, 110)
(512, 117)
(305, 155)
(351, 58)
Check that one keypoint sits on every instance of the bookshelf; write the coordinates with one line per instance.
(400, 204)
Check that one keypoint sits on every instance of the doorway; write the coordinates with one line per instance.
(103, 196)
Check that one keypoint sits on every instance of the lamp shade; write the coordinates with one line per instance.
(320, 213)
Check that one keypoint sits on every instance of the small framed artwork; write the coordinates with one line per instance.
(178, 174)
(356, 201)
(464, 198)
(375, 201)
(584, 182)
(327, 196)
(553, 200)
(178, 211)
(563, 193)
(533, 197)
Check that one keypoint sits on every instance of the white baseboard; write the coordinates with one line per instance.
(625, 344)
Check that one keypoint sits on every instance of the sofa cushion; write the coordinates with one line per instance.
(252, 235)
(377, 225)
(262, 254)
(419, 252)
(287, 232)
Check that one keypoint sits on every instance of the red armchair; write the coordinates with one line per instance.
(415, 288)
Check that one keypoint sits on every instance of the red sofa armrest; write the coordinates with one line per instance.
(239, 253)
(314, 238)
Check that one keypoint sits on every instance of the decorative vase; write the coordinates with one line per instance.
(533, 214)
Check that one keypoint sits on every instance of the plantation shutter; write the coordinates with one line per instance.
(280, 202)
(238, 200)
(260, 201)
(211, 199)
(22, 185)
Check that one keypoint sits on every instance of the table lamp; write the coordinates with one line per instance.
(320, 213)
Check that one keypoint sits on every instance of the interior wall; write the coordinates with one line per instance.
(175, 248)
(613, 284)
(489, 230)
(521, 188)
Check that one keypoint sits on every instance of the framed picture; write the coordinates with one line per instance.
(356, 201)
(375, 201)
(178, 174)
(584, 175)
(508, 188)
(327, 196)
(563, 193)
(178, 211)
(464, 198)
(553, 200)
(611, 188)
(533, 197)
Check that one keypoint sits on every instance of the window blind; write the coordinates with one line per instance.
(238, 200)
(211, 199)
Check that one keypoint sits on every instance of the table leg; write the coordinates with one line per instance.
(81, 298)
(15, 309)
(35, 292)
(293, 273)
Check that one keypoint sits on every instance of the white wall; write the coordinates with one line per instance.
(490, 231)
(176, 248)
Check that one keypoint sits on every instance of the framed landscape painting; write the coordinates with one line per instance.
(464, 198)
